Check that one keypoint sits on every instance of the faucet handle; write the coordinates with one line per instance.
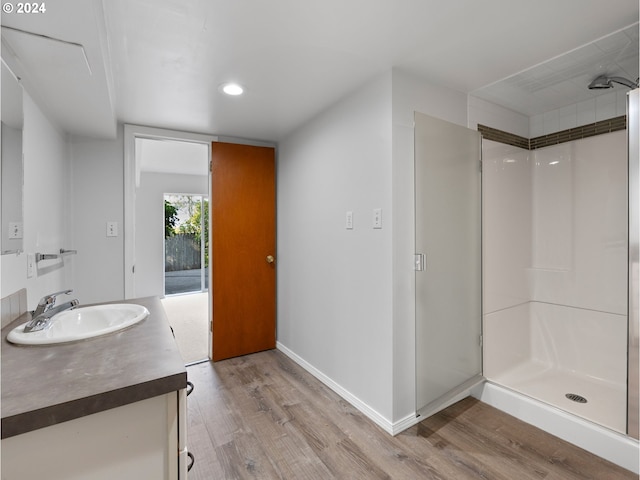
(50, 299)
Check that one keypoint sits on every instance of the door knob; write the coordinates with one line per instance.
(270, 259)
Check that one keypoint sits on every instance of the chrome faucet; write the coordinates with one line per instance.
(41, 316)
(48, 301)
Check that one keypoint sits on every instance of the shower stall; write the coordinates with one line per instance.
(555, 240)
(527, 283)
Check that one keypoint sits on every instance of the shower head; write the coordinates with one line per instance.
(603, 81)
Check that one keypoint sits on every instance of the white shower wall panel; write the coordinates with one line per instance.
(555, 224)
(507, 225)
(580, 341)
(507, 341)
(579, 224)
(553, 203)
(602, 107)
(575, 340)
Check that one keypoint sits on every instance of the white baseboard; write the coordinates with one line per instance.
(406, 422)
(605, 443)
(389, 427)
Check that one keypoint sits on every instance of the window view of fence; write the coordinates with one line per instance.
(186, 243)
(182, 252)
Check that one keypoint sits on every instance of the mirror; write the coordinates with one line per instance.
(11, 168)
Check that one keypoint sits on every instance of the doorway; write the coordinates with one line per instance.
(160, 163)
(186, 272)
(140, 260)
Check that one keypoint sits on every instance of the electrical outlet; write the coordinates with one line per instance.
(112, 229)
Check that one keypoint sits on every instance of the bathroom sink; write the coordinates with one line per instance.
(81, 323)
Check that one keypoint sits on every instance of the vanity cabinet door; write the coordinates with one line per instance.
(133, 441)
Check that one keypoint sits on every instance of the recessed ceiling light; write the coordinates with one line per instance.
(232, 89)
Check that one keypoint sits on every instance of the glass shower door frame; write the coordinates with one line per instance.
(448, 262)
(633, 387)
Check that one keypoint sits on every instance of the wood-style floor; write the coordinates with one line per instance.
(262, 416)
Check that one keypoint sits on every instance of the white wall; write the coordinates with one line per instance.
(47, 219)
(149, 279)
(72, 187)
(97, 173)
(11, 185)
(334, 284)
(494, 116)
(346, 298)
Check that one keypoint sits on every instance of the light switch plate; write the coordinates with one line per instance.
(31, 265)
(377, 218)
(349, 220)
(15, 230)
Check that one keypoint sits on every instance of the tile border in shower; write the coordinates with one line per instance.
(584, 131)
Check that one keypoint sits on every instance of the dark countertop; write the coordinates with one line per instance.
(50, 384)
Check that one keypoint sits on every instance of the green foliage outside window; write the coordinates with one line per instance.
(170, 219)
(194, 225)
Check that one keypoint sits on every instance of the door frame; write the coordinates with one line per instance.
(131, 132)
(131, 178)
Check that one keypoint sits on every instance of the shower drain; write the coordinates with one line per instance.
(576, 398)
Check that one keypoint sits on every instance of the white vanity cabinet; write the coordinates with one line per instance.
(110, 407)
(142, 440)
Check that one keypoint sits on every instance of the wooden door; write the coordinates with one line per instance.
(243, 249)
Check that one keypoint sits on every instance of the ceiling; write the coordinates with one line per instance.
(563, 80)
(160, 62)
